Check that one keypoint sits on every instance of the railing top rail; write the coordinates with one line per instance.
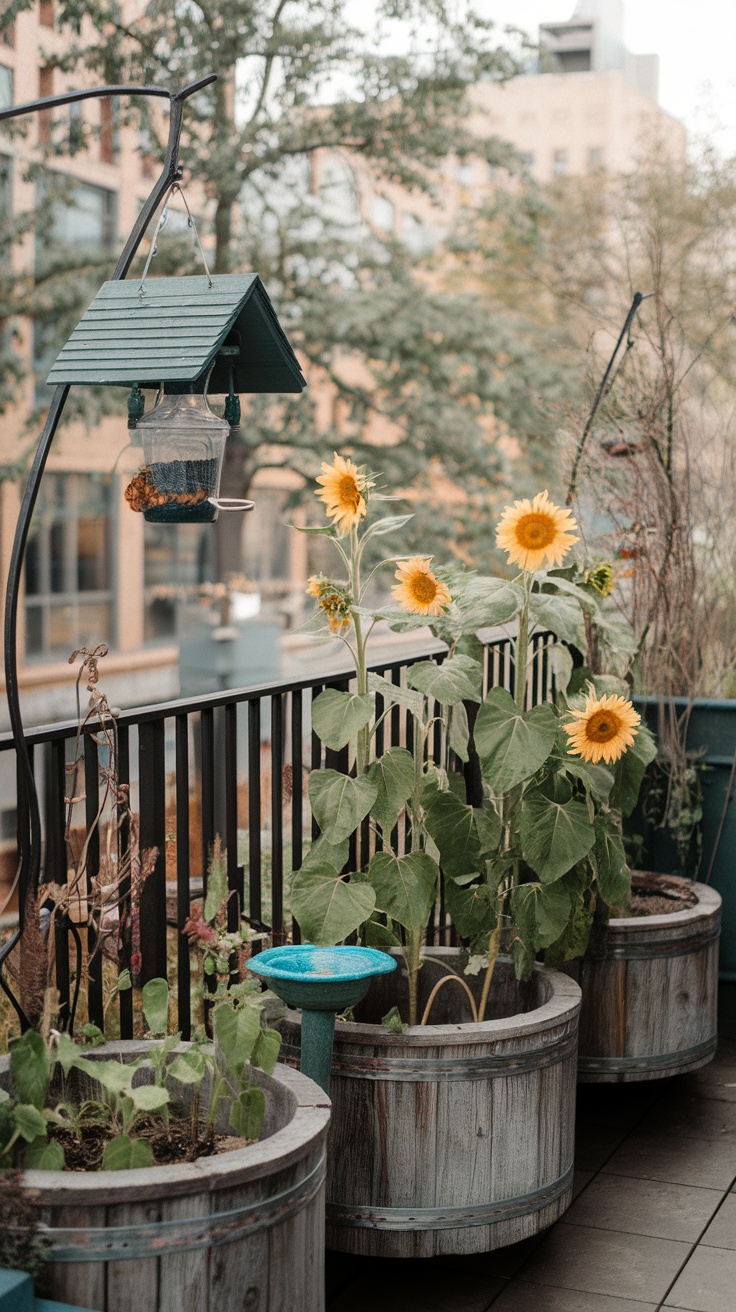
(209, 701)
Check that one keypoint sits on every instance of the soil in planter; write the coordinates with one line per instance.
(659, 895)
(169, 1145)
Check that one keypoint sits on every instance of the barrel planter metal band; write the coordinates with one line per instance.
(448, 1218)
(453, 1137)
(122, 1242)
(208, 1235)
(650, 993)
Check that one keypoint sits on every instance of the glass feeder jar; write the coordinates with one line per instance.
(183, 449)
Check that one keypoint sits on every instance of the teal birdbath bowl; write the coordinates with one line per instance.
(321, 982)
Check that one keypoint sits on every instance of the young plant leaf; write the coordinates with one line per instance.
(338, 716)
(31, 1065)
(188, 1067)
(236, 1030)
(391, 524)
(393, 775)
(512, 746)
(44, 1155)
(149, 1097)
(126, 1154)
(266, 1050)
(155, 1004)
(339, 803)
(554, 835)
(29, 1121)
(115, 1076)
(246, 1113)
(405, 887)
(329, 907)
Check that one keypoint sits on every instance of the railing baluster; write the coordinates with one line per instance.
(183, 893)
(152, 801)
(316, 755)
(297, 794)
(55, 862)
(207, 786)
(277, 818)
(254, 809)
(124, 925)
(235, 906)
(91, 806)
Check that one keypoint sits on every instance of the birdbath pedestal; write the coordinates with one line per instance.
(321, 982)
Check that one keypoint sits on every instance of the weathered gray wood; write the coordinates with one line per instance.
(453, 1137)
(650, 994)
(165, 1239)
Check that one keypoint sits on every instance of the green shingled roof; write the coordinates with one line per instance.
(172, 332)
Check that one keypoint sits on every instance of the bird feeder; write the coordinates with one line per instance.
(191, 339)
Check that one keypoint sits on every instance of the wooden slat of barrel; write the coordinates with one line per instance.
(132, 1284)
(603, 1027)
(239, 1272)
(299, 1289)
(183, 1276)
(80, 1283)
(464, 1116)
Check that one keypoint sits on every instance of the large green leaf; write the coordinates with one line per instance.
(236, 1031)
(540, 913)
(44, 1155)
(452, 826)
(554, 835)
(473, 911)
(629, 771)
(126, 1154)
(30, 1068)
(611, 870)
(29, 1121)
(596, 779)
(338, 716)
(457, 679)
(395, 695)
(266, 1050)
(155, 1004)
(512, 746)
(393, 775)
(339, 802)
(459, 732)
(560, 614)
(329, 907)
(405, 886)
(491, 601)
(323, 852)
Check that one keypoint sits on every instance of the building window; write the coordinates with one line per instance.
(46, 13)
(45, 88)
(595, 158)
(560, 163)
(68, 571)
(109, 129)
(6, 87)
(6, 186)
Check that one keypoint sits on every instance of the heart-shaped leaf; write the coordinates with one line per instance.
(44, 1155)
(612, 873)
(31, 1065)
(266, 1050)
(246, 1113)
(393, 775)
(512, 746)
(155, 1004)
(149, 1098)
(29, 1121)
(328, 906)
(339, 802)
(452, 826)
(188, 1067)
(236, 1031)
(405, 886)
(126, 1154)
(395, 695)
(554, 835)
(473, 911)
(629, 771)
(338, 716)
(457, 679)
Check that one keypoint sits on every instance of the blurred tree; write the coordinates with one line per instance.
(302, 109)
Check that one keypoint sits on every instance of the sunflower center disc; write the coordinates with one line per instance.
(535, 531)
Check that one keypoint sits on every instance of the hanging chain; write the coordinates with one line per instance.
(175, 186)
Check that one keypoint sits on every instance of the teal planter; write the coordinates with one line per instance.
(16, 1295)
(712, 726)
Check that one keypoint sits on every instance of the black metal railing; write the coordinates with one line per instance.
(232, 764)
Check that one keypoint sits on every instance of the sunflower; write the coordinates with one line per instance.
(603, 729)
(343, 491)
(334, 600)
(418, 589)
(535, 533)
(601, 577)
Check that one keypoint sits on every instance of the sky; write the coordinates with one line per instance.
(695, 41)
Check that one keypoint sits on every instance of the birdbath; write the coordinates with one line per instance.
(322, 982)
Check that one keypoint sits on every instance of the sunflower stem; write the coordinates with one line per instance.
(522, 645)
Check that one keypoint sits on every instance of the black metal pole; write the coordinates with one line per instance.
(29, 834)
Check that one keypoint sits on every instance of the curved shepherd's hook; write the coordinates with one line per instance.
(29, 827)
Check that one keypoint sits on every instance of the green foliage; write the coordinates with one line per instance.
(512, 744)
(155, 1004)
(630, 771)
(337, 716)
(339, 803)
(125, 1154)
(456, 680)
(554, 835)
(329, 906)
(393, 775)
(405, 886)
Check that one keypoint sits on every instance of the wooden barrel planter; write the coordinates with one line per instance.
(242, 1229)
(650, 988)
(453, 1137)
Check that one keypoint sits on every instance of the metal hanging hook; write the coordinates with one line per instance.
(175, 187)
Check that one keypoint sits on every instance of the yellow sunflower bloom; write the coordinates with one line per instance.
(343, 492)
(314, 585)
(536, 533)
(603, 729)
(418, 589)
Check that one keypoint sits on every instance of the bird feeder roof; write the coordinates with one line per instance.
(169, 330)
